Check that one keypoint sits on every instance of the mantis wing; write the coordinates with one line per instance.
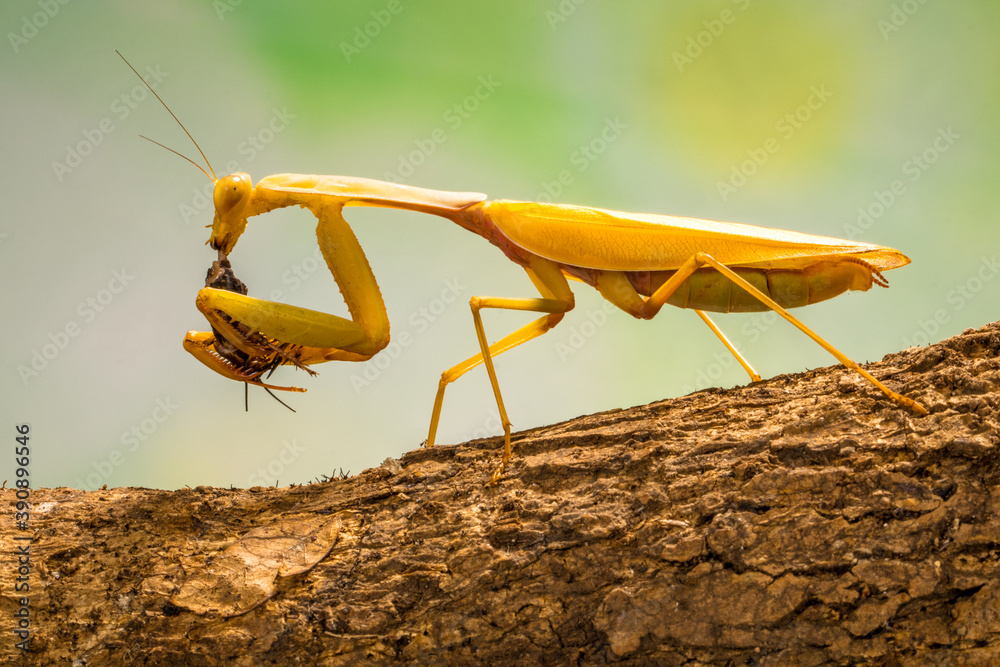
(615, 241)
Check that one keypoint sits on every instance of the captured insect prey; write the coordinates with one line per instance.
(235, 349)
(220, 276)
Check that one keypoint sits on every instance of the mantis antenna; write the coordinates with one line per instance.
(211, 177)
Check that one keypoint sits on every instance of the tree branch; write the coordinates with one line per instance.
(804, 519)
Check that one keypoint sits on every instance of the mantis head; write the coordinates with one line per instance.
(232, 193)
(232, 199)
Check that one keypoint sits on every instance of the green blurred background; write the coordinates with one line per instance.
(641, 106)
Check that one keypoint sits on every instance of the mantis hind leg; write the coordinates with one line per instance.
(557, 300)
(611, 286)
(754, 375)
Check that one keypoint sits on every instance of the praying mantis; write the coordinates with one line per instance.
(638, 262)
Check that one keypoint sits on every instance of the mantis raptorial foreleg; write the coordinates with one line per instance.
(652, 305)
(319, 333)
(367, 332)
(267, 333)
(557, 300)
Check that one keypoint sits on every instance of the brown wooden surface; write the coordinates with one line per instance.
(803, 520)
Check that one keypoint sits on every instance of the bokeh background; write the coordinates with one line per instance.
(884, 115)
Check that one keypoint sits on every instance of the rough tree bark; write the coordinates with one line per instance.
(803, 520)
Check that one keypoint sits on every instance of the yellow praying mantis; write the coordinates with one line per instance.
(638, 262)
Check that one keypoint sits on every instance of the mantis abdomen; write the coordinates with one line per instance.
(707, 289)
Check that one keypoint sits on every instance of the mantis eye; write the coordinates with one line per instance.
(232, 193)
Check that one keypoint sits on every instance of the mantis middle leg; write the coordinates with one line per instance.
(557, 300)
